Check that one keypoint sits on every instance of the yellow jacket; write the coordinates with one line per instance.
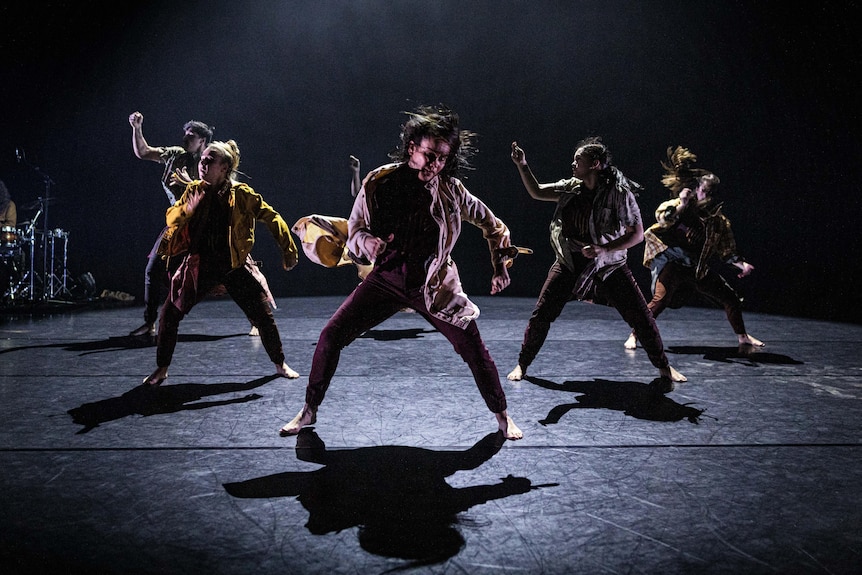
(247, 206)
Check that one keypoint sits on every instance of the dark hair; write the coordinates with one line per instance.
(438, 123)
(201, 129)
(595, 149)
(680, 173)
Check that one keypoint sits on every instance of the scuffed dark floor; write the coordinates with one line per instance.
(753, 466)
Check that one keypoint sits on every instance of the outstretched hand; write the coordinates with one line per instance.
(500, 281)
(192, 201)
(181, 176)
(746, 268)
(518, 155)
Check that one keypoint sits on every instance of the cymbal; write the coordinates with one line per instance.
(39, 202)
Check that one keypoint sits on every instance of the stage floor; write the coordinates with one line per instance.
(752, 466)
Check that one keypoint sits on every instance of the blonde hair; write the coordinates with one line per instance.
(228, 152)
(680, 173)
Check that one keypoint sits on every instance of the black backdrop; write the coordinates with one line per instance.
(766, 95)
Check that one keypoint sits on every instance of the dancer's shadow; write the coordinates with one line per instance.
(145, 400)
(743, 354)
(396, 495)
(118, 343)
(632, 398)
(396, 334)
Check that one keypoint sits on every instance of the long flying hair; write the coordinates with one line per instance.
(680, 173)
(437, 122)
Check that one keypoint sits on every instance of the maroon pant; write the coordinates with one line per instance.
(378, 297)
(674, 276)
(248, 294)
(619, 288)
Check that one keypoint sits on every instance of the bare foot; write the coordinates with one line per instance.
(284, 371)
(157, 377)
(631, 342)
(672, 374)
(745, 339)
(507, 426)
(306, 416)
(517, 374)
(253, 332)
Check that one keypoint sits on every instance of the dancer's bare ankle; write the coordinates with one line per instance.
(672, 374)
(306, 416)
(517, 374)
(745, 339)
(284, 370)
(507, 426)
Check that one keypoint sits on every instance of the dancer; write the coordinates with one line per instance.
(213, 225)
(406, 219)
(597, 219)
(181, 167)
(185, 159)
(689, 232)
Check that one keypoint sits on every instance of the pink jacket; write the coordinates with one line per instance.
(450, 205)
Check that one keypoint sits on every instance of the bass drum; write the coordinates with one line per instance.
(9, 240)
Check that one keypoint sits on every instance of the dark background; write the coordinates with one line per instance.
(765, 93)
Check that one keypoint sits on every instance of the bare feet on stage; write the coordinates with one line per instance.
(157, 377)
(507, 426)
(146, 329)
(631, 342)
(672, 374)
(745, 339)
(284, 371)
(307, 416)
(517, 374)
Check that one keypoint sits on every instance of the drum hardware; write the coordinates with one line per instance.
(8, 238)
(57, 285)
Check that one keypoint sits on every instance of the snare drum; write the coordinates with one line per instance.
(9, 238)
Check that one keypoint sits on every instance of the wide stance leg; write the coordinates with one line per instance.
(251, 297)
(626, 297)
(556, 292)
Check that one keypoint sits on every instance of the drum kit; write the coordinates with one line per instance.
(35, 260)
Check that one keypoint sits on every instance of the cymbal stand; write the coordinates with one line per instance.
(27, 284)
(60, 288)
(45, 269)
(43, 203)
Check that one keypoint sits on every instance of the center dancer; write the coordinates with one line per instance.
(406, 219)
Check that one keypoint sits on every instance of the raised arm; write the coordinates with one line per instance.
(355, 180)
(139, 144)
(543, 192)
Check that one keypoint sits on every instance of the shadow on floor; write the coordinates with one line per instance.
(634, 399)
(397, 496)
(395, 334)
(743, 355)
(117, 343)
(146, 400)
